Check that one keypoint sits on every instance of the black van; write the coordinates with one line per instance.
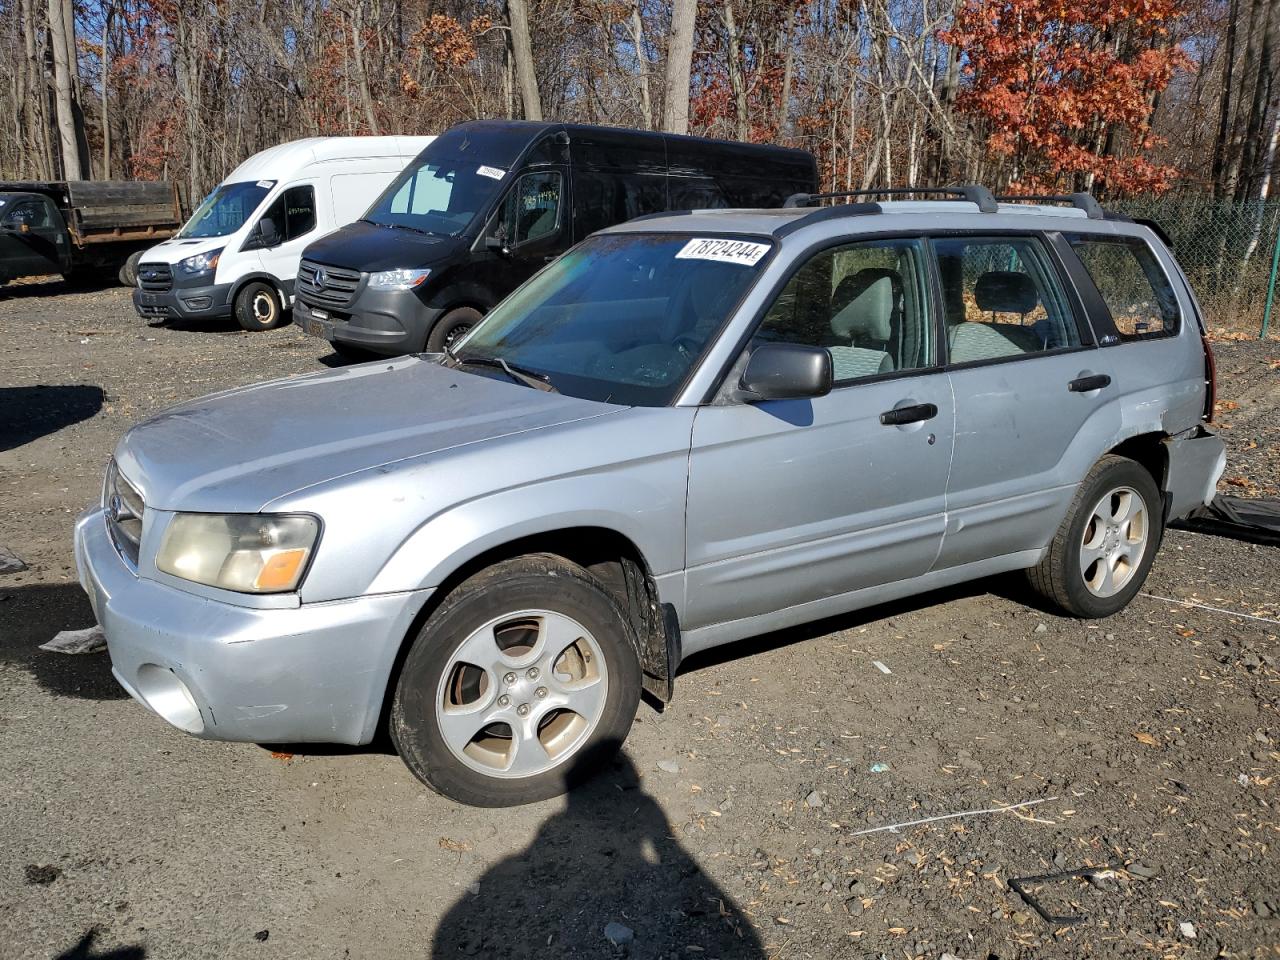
(489, 202)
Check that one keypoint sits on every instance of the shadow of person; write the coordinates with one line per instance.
(608, 858)
(84, 950)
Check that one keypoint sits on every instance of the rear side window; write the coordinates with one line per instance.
(1135, 289)
(1002, 299)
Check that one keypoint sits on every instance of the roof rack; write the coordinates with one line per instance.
(972, 192)
(1081, 201)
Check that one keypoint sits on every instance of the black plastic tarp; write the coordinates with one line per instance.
(1255, 521)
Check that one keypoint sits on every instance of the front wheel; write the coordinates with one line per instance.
(1101, 554)
(257, 307)
(451, 327)
(518, 686)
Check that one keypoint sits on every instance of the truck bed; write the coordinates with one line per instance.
(106, 211)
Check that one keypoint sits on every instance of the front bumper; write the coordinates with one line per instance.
(212, 302)
(389, 322)
(316, 672)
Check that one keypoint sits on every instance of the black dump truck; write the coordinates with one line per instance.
(82, 226)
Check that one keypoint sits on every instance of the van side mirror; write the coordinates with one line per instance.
(268, 233)
(785, 371)
(498, 244)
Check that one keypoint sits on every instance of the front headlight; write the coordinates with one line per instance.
(248, 553)
(201, 262)
(398, 279)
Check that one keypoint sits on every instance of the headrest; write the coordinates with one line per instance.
(864, 303)
(1005, 291)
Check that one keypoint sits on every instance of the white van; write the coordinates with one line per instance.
(238, 254)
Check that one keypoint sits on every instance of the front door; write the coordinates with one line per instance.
(799, 500)
(32, 237)
(1025, 378)
(527, 231)
(285, 230)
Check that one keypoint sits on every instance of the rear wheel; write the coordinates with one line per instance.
(257, 307)
(1104, 549)
(450, 328)
(128, 275)
(520, 684)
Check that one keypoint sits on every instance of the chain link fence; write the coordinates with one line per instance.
(1229, 252)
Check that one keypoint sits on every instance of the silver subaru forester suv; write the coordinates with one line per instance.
(690, 429)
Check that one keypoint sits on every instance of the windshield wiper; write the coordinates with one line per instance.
(539, 381)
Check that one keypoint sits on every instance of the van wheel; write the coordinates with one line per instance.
(1104, 549)
(450, 328)
(518, 686)
(258, 307)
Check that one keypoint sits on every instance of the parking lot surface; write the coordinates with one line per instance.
(760, 815)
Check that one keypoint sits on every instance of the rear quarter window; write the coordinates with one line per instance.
(1133, 285)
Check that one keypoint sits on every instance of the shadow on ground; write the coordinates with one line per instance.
(84, 950)
(28, 413)
(608, 858)
(30, 616)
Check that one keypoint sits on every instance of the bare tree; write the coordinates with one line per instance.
(675, 103)
(522, 54)
(62, 40)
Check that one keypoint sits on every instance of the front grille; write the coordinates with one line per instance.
(323, 286)
(124, 507)
(156, 277)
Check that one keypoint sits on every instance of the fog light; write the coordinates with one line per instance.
(198, 303)
(169, 697)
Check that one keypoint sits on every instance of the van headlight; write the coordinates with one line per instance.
(200, 263)
(398, 279)
(248, 553)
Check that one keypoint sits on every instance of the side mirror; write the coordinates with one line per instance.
(268, 234)
(785, 371)
(497, 244)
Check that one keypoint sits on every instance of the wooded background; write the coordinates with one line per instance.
(1124, 97)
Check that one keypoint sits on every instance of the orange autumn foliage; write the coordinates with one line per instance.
(1063, 88)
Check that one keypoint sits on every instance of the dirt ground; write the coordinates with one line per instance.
(753, 819)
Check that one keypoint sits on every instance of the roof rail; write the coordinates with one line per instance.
(1081, 201)
(972, 192)
(827, 213)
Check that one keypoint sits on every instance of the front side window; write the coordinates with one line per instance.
(1002, 298)
(867, 303)
(1132, 284)
(30, 213)
(621, 318)
(292, 215)
(227, 209)
(531, 211)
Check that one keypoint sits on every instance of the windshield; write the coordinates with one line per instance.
(226, 209)
(621, 318)
(441, 196)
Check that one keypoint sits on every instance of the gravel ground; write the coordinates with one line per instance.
(754, 818)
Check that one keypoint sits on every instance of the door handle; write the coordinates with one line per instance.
(915, 413)
(1086, 384)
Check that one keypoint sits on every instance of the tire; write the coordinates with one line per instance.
(446, 331)
(257, 307)
(505, 615)
(128, 275)
(1104, 549)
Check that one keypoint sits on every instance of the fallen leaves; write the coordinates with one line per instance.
(1146, 738)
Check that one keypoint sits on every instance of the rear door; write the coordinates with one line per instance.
(792, 501)
(1026, 378)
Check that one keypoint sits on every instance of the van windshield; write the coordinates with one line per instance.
(621, 318)
(441, 196)
(226, 209)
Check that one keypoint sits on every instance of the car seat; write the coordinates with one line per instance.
(864, 310)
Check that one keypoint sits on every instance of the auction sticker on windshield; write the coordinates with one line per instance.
(723, 251)
(492, 172)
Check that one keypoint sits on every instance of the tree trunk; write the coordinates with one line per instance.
(1250, 172)
(522, 53)
(737, 80)
(1224, 101)
(69, 144)
(362, 75)
(106, 70)
(642, 64)
(675, 101)
(1253, 64)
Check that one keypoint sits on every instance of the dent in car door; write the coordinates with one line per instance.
(1025, 380)
(798, 500)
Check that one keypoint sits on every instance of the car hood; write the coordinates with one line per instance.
(237, 451)
(369, 247)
